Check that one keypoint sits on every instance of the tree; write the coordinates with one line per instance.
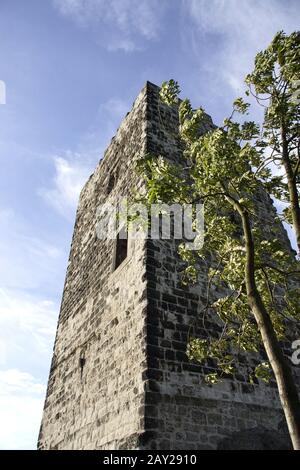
(275, 84)
(259, 275)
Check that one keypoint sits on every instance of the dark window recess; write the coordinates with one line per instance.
(111, 184)
(121, 248)
(81, 363)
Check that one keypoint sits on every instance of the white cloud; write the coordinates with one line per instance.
(241, 29)
(126, 21)
(27, 327)
(72, 169)
(21, 404)
(29, 264)
(114, 108)
(15, 381)
(71, 172)
(28, 261)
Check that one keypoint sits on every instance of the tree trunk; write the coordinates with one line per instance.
(285, 383)
(292, 187)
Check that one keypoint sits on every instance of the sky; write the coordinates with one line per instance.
(72, 69)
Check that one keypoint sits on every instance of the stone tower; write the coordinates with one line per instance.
(119, 377)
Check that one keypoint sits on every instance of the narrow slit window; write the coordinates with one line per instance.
(121, 247)
(111, 184)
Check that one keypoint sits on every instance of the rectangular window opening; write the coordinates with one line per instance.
(121, 251)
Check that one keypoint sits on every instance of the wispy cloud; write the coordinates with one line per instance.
(27, 326)
(70, 174)
(26, 319)
(72, 168)
(114, 109)
(122, 24)
(14, 381)
(28, 261)
(238, 30)
(21, 402)
(29, 274)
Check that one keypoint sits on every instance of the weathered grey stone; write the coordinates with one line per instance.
(120, 378)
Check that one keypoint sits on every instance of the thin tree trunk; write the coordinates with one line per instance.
(285, 383)
(292, 187)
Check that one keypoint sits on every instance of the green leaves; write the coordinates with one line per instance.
(198, 349)
(276, 68)
(185, 111)
(263, 372)
(191, 122)
(274, 83)
(169, 92)
(201, 350)
(226, 168)
(240, 106)
(164, 181)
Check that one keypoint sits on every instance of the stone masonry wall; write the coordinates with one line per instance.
(119, 376)
(95, 388)
(182, 411)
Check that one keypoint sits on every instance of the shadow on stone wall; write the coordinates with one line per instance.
(258, 438)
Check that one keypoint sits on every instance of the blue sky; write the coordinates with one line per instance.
(72, 70)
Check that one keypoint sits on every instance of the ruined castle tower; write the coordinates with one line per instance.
(120, 378)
